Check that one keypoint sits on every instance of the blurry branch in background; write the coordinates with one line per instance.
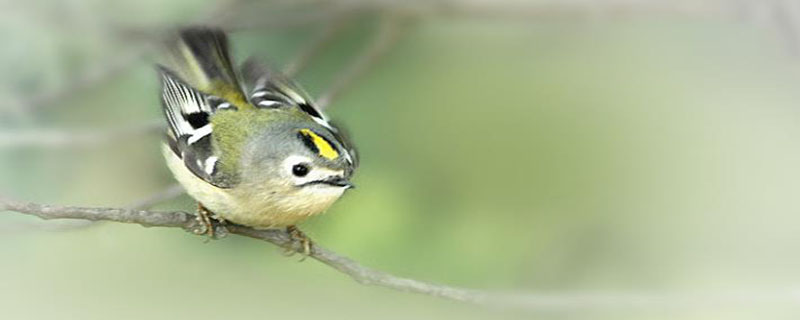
(105, 71)
(307, 16)
(303, 58)
(782, 15)
(368, 276)
(222, 13)
(787, 20)
(384, 38)
(586, 10)
(51, 138)
(92, 76)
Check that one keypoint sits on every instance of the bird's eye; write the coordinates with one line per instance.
(300, 170)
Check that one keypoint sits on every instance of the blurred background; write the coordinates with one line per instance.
(627, 150)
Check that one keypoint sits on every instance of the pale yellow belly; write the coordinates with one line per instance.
(251, 207)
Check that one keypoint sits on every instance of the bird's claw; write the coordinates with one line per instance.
(206, 219)
(298, 237)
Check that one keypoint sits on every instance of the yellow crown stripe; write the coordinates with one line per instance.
(326, 150)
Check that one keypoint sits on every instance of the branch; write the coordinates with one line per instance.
(187, 221)
(385, 37)
(169, 193)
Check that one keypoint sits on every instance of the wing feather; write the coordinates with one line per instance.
(188, 111)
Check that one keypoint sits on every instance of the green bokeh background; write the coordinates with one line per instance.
(649, 154)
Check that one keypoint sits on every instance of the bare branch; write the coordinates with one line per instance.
(187, 221)
(169, 193)
(145, 218)
(384, 38)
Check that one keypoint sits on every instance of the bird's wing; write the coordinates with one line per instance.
(190, 131)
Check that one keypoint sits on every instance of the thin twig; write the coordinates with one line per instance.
(383, 39)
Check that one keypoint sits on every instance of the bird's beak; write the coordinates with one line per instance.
(339, 181)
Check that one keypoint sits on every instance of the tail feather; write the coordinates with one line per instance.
(201, 57)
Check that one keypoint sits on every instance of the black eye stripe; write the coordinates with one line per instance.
(309, 142)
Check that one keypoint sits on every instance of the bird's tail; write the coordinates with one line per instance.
(200, 56)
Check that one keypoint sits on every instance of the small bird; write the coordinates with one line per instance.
(249, 146)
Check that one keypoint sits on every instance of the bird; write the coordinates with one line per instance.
(248, 144)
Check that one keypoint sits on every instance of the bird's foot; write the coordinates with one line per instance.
(298, 239)
(206, 220)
